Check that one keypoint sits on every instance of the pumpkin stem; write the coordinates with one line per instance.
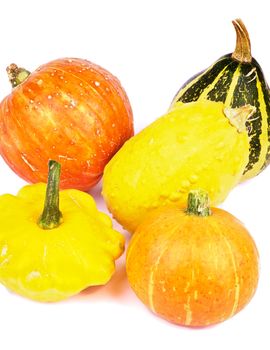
(198, 203)
(52, 216)
(242, 52)
(16, 75)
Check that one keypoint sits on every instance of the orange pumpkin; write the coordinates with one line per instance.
(193, 267)
(69, 110)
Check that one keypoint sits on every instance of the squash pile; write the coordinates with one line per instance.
(189, 262)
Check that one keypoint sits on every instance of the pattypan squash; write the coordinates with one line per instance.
(52, 256)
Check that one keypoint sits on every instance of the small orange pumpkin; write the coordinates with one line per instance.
(194, 267)
(70, 110)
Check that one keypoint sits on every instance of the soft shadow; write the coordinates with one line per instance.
(116, 288)
(96, 190)
(118, 284)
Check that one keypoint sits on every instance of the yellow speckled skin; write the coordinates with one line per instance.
(193, 146)
(51, 265)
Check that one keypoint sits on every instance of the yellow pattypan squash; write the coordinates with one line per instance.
(55, 255)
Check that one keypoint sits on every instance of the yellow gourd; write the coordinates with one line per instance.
(196, 145)
(56, 255)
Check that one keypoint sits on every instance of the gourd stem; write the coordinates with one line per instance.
(242, 52)
(16, 75)
(198, 203)
(52, 216)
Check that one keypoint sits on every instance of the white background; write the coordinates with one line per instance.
(153, 47)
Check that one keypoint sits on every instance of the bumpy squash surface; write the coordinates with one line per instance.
(195, 145)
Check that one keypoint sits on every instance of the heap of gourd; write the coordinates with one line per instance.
(190, 263)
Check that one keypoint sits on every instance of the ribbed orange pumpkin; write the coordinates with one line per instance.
(69, 110)
(193, 267)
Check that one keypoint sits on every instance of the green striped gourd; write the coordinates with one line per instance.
(236, 79)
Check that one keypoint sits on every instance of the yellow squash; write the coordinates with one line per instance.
(195, 145)
(58, 254)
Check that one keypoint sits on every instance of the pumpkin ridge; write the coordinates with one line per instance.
(96, 92)
(155, 268)
(231, 254)
(27, 129)
(15, 147)
(90, 86)
(84, 136)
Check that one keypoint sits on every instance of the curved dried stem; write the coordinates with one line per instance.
(242, 50)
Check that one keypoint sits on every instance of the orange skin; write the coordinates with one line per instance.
(193, 271)
(69, 110)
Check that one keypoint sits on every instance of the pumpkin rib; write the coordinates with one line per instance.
(27, 130)
(82, 135)
(156, 266)
(30, 131)
(102, 97)
(122, 96)
(231, 254)
(15, 148)
(188, 310)
(95, 92)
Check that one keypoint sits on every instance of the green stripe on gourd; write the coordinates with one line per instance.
(221, 88)
(266, 97)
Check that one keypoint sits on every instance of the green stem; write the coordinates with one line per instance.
(198, 203)
(52, 216)
(17, 75)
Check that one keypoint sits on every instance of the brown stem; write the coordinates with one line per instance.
(16, 74)
(242, 52)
